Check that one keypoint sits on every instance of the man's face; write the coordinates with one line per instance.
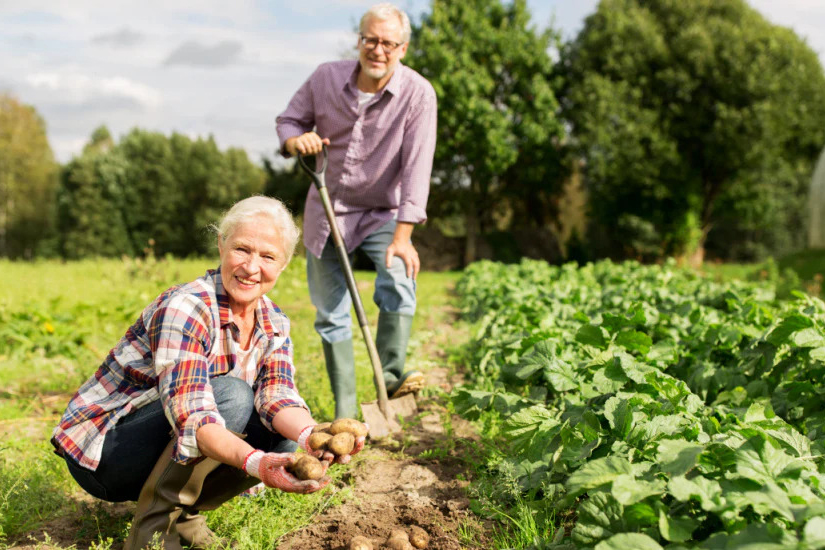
(378, 62)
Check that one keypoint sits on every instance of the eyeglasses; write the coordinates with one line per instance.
(370, 43)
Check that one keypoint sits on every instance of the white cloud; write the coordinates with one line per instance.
(83, 89)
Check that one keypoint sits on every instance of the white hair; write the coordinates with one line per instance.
(256, 205)
(384, 12)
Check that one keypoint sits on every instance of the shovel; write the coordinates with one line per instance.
(381, 417)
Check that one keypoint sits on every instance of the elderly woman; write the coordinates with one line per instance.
(197, 402)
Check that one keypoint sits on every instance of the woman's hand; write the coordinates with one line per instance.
(359, 444)
(271, 469)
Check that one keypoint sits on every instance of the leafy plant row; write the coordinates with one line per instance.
(652, 406)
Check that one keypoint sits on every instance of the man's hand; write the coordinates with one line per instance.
(405, 250)
(305, 144)
(271, 469)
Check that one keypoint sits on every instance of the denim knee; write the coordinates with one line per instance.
(235, 400)
(394, 291)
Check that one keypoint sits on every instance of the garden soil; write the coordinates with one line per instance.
(393, 488)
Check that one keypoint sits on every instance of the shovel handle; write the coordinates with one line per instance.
(317, 176)
(343, 259)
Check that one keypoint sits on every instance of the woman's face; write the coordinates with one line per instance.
(252, 258)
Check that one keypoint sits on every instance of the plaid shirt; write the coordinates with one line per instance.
(380, 157)
(181, 340)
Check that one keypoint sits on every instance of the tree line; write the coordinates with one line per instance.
(691, 127)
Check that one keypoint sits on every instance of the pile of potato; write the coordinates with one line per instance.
(337, 437)
(399, 539)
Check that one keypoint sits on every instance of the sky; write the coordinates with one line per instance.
(214, 67)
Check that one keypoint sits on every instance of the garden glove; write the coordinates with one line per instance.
(271, 469)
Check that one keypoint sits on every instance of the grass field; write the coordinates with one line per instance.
(57, 322)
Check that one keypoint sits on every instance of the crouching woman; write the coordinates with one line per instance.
(197, 402)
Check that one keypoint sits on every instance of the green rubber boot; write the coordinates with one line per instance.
(170, 488)
(341, 370)
(391, 340)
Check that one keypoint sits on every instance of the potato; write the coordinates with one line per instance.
(318, 441)
(419, 537)
(399, 540)
(348, 425)
(341, 444)
(322, 427)
(399, 544)
(307, 467)
(360, 543)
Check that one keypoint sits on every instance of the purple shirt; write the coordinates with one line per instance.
(380, 157)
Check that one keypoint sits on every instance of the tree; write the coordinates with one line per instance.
(287, 184)
(496, 110)
(149, 190)
(90, 212)
(27, 179)
(677, 108)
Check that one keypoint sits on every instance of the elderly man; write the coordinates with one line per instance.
(378, 120)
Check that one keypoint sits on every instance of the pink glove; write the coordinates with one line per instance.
(270, 468)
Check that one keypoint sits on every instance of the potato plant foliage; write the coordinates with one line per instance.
(664, 409)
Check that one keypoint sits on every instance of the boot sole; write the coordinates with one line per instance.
(412, 383)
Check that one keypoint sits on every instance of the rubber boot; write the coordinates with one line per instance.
(224, 484)
(341, 370)
(192, 528)
(169, 489)
(391, 340)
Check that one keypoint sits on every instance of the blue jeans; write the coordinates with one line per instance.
(394, 291)
(134, 445)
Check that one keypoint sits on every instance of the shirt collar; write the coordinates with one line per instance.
(393, 86)
(262, 318)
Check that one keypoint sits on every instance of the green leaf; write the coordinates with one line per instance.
(760, 461)
(769, 499)
(627, 490)
(634, 341)
(666, 424)
(597, 472)
(561, 376)
(640, 515)
(817, 354)
(529, 425)
(755, 536)
(814, 533)
(707, 491)
(808, 338)
(676, 529)
(790, 324)
(591, 335)
(677, 456)
(536, 360)
(663, 350)
(619, 414)
(629, 541)
(599, 517)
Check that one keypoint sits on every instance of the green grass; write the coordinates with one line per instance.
(57, 322)
(802, 271)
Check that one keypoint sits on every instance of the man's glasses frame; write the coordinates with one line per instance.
(370, 43)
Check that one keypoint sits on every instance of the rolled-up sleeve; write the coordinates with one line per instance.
(299, 116)
(179, 338)
(276, 384)
(417, 150)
